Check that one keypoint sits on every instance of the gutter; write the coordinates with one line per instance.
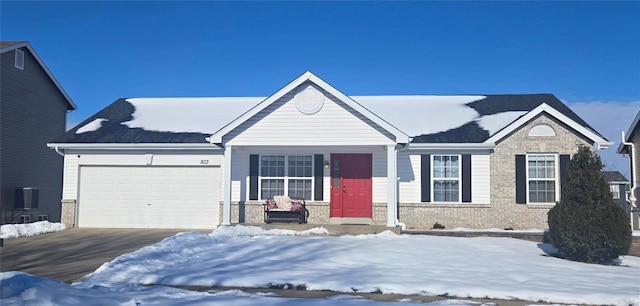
(134, 146)
(57, 149)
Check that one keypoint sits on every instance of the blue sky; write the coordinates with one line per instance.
(586, 53)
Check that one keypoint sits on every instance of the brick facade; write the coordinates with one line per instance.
(502, 212)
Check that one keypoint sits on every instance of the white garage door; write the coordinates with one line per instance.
(149, 197)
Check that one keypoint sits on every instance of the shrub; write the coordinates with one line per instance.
(586, 225)
(438, 226)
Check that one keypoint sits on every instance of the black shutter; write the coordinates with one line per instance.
(466, 178)
(521, 179)
(564, 162)
(253, 176)
(425, 177)
(318, 173)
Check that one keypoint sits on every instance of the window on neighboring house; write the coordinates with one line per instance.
(446, 178)
(615, 191)
(43, 217)
(292, 173)
(542, 179)
(25, 218)
(19, 62)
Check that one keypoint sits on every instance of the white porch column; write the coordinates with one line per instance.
(226, 209)
(392, 185)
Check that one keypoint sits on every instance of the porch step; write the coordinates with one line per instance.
(333, 229)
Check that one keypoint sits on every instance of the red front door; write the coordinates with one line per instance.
(351, 186)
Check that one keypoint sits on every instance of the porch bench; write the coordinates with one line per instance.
(285, 209)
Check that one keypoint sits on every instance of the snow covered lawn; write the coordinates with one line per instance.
(502, 268)
(10, 231)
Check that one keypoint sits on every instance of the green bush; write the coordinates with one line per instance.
(586, 225)
(438, 226)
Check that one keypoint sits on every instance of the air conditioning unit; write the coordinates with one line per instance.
(26, 198)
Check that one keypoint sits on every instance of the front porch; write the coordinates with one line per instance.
(333, 229)
(252, 213)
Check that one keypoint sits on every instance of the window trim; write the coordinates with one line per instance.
(615, 193)
(286, 176)
(19, 59)
(434, 179)
(556, 160)
(25, 218)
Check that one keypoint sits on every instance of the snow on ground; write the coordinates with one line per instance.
(636, 233)
(493, 230)
(9, 231)
(19, 288)
(502, 268)
(244, 256)
(91, 126)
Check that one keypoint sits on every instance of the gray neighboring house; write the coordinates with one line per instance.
(33, 108)
(618, 184)
(630, 147)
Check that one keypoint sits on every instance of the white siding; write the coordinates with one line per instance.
(70, 178)
(240, 167)
(410, 186)
(74, 159)
(282, 124)
(480, 179)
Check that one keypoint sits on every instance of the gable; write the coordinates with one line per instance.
(308, 115)
(10, 46)
(580, 130)
(399, 136)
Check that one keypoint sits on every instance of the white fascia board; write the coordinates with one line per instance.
(44, 66)
(452, 147)
(401, 137)
(600, 142)
(134, 146)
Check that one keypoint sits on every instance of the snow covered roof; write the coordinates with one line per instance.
(427, 119)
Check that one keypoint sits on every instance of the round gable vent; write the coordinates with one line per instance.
(309, 100)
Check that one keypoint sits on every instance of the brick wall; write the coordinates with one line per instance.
(502, 212)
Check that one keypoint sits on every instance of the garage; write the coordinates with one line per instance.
(149, 197)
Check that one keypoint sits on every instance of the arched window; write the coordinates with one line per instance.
(542, 130)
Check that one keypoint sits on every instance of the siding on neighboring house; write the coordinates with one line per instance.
(636, 158)
(282, 124)
(33, 113)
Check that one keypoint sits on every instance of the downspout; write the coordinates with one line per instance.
(632, 161)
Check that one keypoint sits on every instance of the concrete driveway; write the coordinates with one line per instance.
(71, 254)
